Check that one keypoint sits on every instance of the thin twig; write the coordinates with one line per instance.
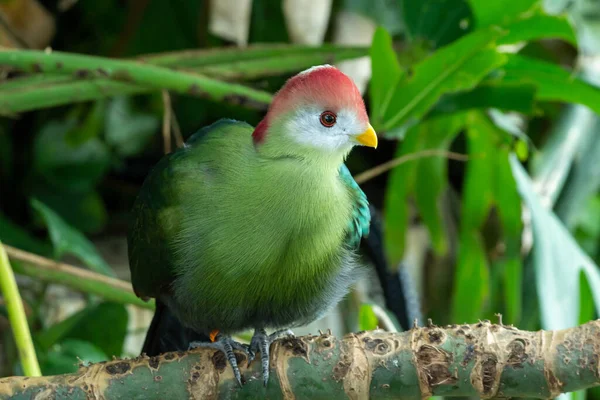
(85, 281)
(176, 130)
(166, 125)
(17, 318)
(386, 166)
(47, 263)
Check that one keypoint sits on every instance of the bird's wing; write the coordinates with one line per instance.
(361, 215)
(149, 255)
(158, 215)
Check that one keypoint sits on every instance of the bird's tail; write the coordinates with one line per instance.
(400, 295)
(166, 333)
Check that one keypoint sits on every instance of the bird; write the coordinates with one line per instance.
(256, 227)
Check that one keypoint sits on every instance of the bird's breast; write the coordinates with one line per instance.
(273, 243)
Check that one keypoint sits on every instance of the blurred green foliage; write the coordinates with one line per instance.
(513, 230)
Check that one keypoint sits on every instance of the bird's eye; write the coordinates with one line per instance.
(328, 119)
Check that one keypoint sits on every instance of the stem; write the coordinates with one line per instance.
(76, 278)
(256, 52)
(166, 123)
(176, 130)
(17, 318)
(43, 96)
(152, 76)
(393, 163)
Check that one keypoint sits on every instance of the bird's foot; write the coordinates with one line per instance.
(261, 342)
(226, 345)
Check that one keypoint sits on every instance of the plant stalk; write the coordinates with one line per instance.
(17, 317)
(86, 281)
(134, 72)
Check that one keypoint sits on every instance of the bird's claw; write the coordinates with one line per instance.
(226, 345)
(261, 342)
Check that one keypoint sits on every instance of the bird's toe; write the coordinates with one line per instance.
(226, 345)
(261, 342)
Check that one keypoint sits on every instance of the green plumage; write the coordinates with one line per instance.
(232, 238)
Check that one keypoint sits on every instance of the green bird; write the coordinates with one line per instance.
(257, 227)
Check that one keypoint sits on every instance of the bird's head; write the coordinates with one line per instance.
(319, 111)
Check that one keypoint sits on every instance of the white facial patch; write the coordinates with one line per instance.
(306, 129)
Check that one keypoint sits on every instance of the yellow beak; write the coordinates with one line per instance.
(368, 137)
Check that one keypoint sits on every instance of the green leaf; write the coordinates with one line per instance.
(103, 324)
(91, 127)
(401, 184)
(557, 259)
(586, 300)
(478, 192)
(437, 21)
(65, 357)
(537, 25)
(93, 327)
(457, 67)
(128, 132)
(513, 288)
(509, 210)
(507, 198)
(68, 166)
(498, 12)
(509, 126)
(584, 175)
(524, 20)
(431, 176)
(572, 139)
(83, 211)
(552, 81)
(425, 178)
(520, 98)
(586, 225)
(50, 336)
(489, 181)
(67, 240)
(386, 73)
(13, 235)
(522, 150)
(367, 320)
(472, 278)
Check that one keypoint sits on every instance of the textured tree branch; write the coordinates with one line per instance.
(484, 360)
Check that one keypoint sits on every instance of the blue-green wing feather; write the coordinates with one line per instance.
(361, 215)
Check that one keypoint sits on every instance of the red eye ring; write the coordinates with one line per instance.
(328, 119)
